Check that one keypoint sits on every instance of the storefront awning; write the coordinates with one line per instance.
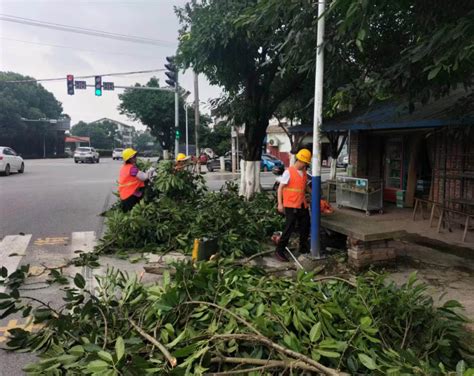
(397, 116)
(74, 139)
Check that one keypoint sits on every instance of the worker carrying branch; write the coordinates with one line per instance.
(132, 180)
(292, 202)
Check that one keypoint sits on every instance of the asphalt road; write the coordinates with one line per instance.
(56, 196)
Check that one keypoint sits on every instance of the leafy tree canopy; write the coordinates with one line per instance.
(155, 109)
(377, 49)
(24, 100)
(243, 58)
(103, 135)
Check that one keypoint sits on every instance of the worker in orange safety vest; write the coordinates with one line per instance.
(292, 202)
(131, 180)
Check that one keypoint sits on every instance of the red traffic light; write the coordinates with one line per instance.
(70, 84)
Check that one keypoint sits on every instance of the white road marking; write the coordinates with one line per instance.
(85, 241)
(16, 244)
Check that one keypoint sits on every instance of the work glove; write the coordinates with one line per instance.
(151, 173)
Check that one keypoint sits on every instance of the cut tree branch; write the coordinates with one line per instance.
(275, 346)
(263, 363)
(171, 359)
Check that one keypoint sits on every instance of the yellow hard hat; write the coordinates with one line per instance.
(181, 157)
(128, 153)
(304, 155)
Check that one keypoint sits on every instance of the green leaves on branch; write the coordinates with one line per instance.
(214, 316)
(177, 209)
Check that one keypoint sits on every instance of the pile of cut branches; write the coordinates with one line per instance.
(177, 208)
(221, 319)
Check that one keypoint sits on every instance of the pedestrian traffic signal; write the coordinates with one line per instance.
(172, 72)
(98, 86)
(178, 134)
(70, 84)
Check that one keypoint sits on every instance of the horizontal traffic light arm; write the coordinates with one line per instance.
(140, 88)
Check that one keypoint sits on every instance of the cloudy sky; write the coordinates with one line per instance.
(45, 53)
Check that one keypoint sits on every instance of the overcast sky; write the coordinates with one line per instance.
(29, 49)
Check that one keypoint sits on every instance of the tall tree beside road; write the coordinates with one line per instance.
(378, 49)
(244, 59)
(102, 135)
(155, 109)
(30, 101)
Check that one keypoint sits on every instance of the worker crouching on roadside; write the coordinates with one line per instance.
(292, 202)
(131, 180)
(181, 162)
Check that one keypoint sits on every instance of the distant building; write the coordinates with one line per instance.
(278, 141)
(126, 131)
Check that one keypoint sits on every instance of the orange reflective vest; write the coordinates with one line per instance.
(128, 184)
(294, 191)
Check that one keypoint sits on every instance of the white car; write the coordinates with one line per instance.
(86, 154)
(10, 161)
(117, 154)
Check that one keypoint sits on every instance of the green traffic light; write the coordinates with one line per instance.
(98, 92)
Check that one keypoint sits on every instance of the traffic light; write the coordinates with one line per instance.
(178, 134)
(98, 86)
(172, 72)
(70, 84)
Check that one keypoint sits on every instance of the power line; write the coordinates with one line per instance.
(74, 48)
(81, 30)
(91, 76)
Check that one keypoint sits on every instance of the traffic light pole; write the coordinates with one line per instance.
(176, 117)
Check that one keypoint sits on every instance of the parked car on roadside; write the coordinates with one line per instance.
(10, 161)
(269, 162)
(215, 164)
(86, 154)
(117, 154)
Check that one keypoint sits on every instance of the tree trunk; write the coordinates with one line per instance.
(332, 175)
(249, 178)
(252, 154)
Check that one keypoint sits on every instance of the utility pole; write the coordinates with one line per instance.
(187, 132)
(233, 142)
(317, 122)
(176, 117)
(196, 116)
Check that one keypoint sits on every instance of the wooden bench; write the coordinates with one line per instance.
(449, 216)
(445, 216)
(419, 203)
